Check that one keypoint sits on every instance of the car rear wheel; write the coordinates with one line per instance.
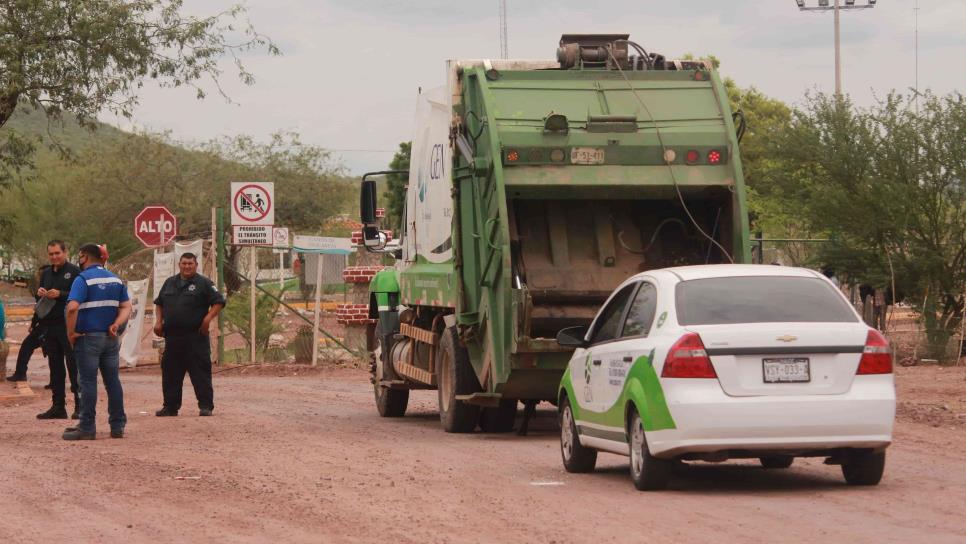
(776, 461)
(576, 458)
(864, 467)
(647, 472)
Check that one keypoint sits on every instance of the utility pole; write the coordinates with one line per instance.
(823, 5)
(838, 53)
(916, 99)
(504, 54)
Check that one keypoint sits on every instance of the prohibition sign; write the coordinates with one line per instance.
(258, 208)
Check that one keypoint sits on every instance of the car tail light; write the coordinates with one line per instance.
(876, 357)
(687, 358)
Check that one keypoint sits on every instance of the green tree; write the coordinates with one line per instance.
(90, 57)
(108, 182)
(771, 211)
(887, 185)
(395, 193)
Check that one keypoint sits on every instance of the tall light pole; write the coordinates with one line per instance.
(823, 5)
(504, 49)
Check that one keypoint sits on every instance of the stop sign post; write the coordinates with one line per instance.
(155, 226)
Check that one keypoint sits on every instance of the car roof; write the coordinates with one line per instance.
(698, 272)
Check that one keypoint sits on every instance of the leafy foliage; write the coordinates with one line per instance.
(887, 185)
(238, 317)
(395, 194)
(95, 196)
(94, 56)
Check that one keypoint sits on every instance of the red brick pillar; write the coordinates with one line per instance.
(354, 314)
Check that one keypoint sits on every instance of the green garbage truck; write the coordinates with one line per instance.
(535, 188)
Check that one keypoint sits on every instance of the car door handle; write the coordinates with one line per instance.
(597, 362)
(628, 359)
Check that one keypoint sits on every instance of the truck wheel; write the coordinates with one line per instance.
(864, 467)
(389, 402)
(499, 419)
(776, 461)
(455, 376)
(647, 472)
(576, 458)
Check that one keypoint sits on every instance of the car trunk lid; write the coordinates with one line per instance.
(764, 359)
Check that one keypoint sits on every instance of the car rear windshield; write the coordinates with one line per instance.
(760, 299)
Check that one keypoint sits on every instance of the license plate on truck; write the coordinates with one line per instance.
(786, 370)
(586, 155)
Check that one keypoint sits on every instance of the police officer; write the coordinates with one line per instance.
(55, 284)
(184, 309)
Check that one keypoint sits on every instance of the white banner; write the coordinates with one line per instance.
(164, 265)
(131, 341)
(196, 247)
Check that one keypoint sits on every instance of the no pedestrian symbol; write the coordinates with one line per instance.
(252, 203)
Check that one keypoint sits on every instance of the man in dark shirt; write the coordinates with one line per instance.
(184, 309)
(55, 283)
(30, 344)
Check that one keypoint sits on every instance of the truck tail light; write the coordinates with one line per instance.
(691, 156)
(687, 358)
(714, 157)
(513, 155)
(876, 356)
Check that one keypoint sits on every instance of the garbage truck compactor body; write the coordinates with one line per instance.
(535, 188)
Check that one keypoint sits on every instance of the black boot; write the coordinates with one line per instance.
(17, 378)
(57, 411)
(166, 412)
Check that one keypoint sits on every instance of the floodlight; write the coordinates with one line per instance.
(801, 3)
(823, 3)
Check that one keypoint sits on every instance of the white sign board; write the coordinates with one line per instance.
(255, 235)
(252, 203)
(319, 244)
(280, 237)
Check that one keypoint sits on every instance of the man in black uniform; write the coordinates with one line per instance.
(55, 283)
(184, 309)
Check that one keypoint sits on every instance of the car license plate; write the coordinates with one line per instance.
(586, 155)
(786, 370)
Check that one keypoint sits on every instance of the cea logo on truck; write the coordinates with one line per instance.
(437, 169)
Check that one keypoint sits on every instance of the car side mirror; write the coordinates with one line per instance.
(367, 203)
(572, 337)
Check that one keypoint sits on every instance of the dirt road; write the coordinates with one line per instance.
(304, 458)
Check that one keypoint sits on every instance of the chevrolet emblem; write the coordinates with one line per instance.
(787, 338)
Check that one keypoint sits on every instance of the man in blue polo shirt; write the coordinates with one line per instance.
(98, 305)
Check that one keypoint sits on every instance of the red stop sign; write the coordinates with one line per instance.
(155, 226)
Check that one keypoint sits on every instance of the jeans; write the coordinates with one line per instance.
(99, 351)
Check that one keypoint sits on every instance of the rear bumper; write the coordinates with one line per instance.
(707, 420)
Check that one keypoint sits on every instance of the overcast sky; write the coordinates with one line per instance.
(349, 72)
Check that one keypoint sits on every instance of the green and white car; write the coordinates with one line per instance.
(722, 362)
